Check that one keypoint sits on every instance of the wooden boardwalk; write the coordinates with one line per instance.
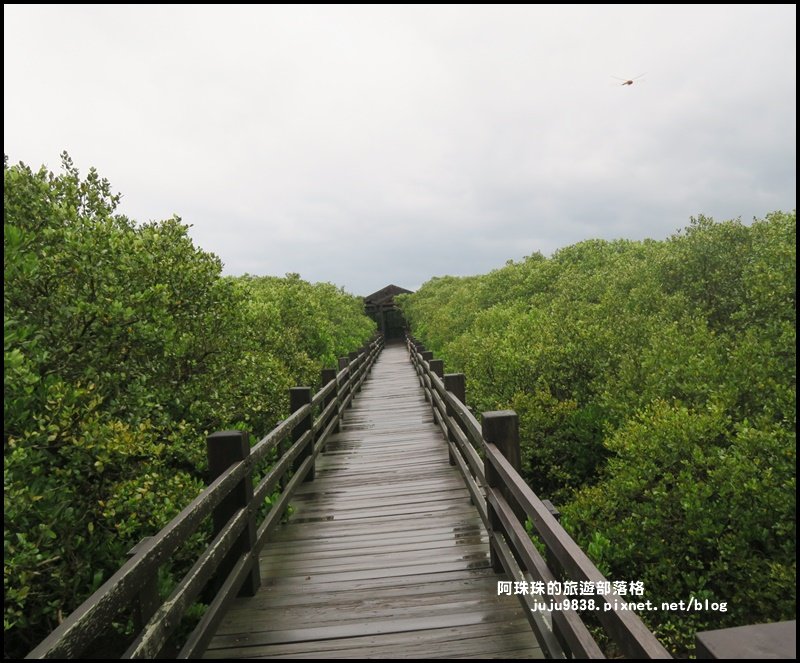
(384, 556)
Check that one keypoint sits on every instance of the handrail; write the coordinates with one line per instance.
(230, 561)
(487, 455)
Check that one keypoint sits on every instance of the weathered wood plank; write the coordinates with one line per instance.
(274, 588)
(398, 594)
(371, 547)
(356, 533)
(416, 644)
(358, 614)
(378, 559)
(305, 632)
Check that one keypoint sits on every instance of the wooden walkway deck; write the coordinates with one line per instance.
(384, 556)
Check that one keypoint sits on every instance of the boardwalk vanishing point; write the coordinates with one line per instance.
(384, 555)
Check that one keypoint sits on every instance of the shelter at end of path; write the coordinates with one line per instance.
(381, 307)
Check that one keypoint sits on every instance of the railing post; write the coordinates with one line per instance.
(298, 397)
(550, 558)
(148, 600)
(363, 353)
(343, 363)
(418, 360)
(500, 428)
(361, 361)
(456, 384)
(224, 449)
(328, 375)
(437, 368)
(355, 364)
(426, 357)
(415, 348)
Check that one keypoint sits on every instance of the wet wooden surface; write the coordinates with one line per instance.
(384, 556)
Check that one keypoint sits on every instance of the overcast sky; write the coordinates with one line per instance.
(390, 144)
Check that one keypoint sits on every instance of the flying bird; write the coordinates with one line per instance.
(628, 81)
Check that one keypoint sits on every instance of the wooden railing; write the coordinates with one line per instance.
(488, 456)
(229, 565)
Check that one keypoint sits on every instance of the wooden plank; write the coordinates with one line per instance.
(384, 572)
(775, 640)
(440, 549)
(356, 534)
(306, 632)
(317, 572)
(354, 498)
(273, 590)
(366, 513)
(267, 620)
(468, 523)
(346, 598)
(481, 580)
(384, 555)
(390, 545)
(402, 645)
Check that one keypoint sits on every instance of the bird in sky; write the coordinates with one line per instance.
(628, 81)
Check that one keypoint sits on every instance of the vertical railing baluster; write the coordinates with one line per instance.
(500, 428)
(298, 397)
(328, 375)
(456, 384)
(224, 449)
(148, 600)
(343, 391)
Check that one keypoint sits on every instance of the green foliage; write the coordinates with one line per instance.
(655, 385)
(123, 348)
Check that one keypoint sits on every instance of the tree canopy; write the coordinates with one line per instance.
(123, 347)
(655, 385)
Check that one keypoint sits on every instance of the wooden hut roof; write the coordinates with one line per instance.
(385, 295)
